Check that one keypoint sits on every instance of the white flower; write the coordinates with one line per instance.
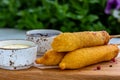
(116, 14)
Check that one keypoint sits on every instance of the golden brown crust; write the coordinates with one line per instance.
(87, 56)
(71, 41)
(106, 37)
(50, 58)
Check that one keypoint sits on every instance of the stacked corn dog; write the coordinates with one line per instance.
(79, 49)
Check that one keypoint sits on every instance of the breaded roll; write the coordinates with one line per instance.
(50, 58)
(72, 41)
(87, 56)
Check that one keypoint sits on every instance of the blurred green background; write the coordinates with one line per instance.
(64, 15)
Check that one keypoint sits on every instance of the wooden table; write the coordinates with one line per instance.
(108, 71)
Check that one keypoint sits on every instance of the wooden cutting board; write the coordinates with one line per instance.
(109, 71)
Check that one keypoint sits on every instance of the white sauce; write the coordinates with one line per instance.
(15, 46)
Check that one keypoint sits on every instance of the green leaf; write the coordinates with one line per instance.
(98, 26)
(2, 24)
(94, 1)
(92, 18)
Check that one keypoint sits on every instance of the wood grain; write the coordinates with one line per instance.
(88, 73)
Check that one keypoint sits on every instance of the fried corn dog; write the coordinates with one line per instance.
(50, 58)
(71, 41)
(87, 56)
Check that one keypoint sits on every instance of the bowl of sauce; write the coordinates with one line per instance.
(17, 54)
(43, 38)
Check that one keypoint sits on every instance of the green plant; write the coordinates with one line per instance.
(64, 15)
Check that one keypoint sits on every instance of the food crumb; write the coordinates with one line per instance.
(98, 67)
(110, 65)
(113, 60)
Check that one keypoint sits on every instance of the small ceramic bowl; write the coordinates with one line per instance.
(43, 38)
(17, 54)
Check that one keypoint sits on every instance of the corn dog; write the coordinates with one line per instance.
(50, 58)
(87, 56)
(71, 41)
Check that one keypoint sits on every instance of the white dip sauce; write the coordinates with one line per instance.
(15, 46)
